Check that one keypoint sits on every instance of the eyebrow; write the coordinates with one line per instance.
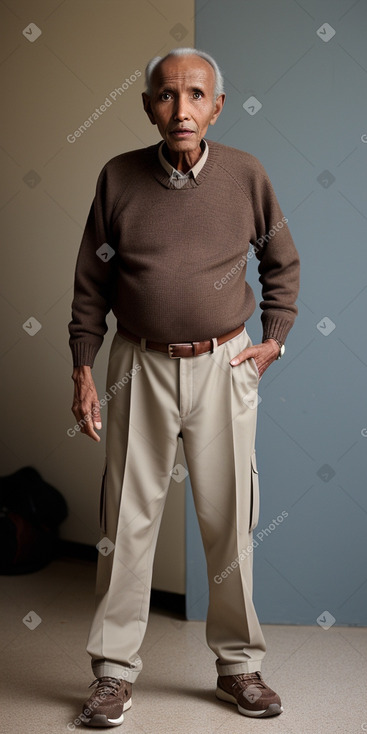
(163, 89)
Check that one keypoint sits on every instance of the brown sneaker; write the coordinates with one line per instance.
(252, 696)
(106, 705)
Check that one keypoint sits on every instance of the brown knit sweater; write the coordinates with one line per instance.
(176, 270)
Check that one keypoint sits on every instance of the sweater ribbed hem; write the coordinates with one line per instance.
(83, 354)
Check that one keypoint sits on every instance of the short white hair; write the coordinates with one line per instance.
(153, 63)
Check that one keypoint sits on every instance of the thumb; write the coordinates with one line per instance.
(96, 413)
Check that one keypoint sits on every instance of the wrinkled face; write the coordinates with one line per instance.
(182, 102)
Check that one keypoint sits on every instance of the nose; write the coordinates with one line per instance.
(180, 110)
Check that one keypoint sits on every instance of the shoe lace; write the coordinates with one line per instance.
(249, 678)
(106, 685)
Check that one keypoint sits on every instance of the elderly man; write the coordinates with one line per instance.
(165, 247)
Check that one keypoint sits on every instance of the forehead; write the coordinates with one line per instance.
(184, 70)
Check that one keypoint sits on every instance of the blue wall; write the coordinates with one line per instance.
(311, 136)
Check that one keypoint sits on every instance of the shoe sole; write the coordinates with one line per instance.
(103, 720)
(273, 709)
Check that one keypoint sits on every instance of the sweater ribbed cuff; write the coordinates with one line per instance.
(276, 328)
(83, 354)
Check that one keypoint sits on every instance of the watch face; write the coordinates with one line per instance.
(282, 350)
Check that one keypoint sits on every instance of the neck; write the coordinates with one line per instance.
(184, 161)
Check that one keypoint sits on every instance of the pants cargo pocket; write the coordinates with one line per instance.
(255, 494)
(102, 500)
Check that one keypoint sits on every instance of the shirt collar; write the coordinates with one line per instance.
(194, 171)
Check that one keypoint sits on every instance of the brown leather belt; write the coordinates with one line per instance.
(183, 349)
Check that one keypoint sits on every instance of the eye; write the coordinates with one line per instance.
(197, 94)
(165, 96)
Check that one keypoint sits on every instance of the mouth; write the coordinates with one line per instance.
(182, 132)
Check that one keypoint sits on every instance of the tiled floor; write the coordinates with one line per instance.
(321, 675)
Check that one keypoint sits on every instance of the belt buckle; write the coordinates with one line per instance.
(170, 348)
(177, 344)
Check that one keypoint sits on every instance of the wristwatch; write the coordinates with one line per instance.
(281, 346)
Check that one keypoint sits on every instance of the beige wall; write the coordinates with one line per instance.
(51, 85)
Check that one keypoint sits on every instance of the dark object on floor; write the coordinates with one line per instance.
(30, 512)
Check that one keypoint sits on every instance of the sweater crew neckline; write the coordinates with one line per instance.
(163, 177)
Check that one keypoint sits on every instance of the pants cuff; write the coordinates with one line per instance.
(114, 670)
(248, 666)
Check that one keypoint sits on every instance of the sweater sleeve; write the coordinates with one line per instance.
(279, 261)
(94, 279)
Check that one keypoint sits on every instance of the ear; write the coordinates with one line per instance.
(218, 106)
(148, 108)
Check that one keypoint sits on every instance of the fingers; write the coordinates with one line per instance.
(88, 417)
(93, 422)
(242, 356)
(86, 407)
(246, 354)
(263, 355)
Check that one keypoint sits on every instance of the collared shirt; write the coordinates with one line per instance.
(177, 178)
